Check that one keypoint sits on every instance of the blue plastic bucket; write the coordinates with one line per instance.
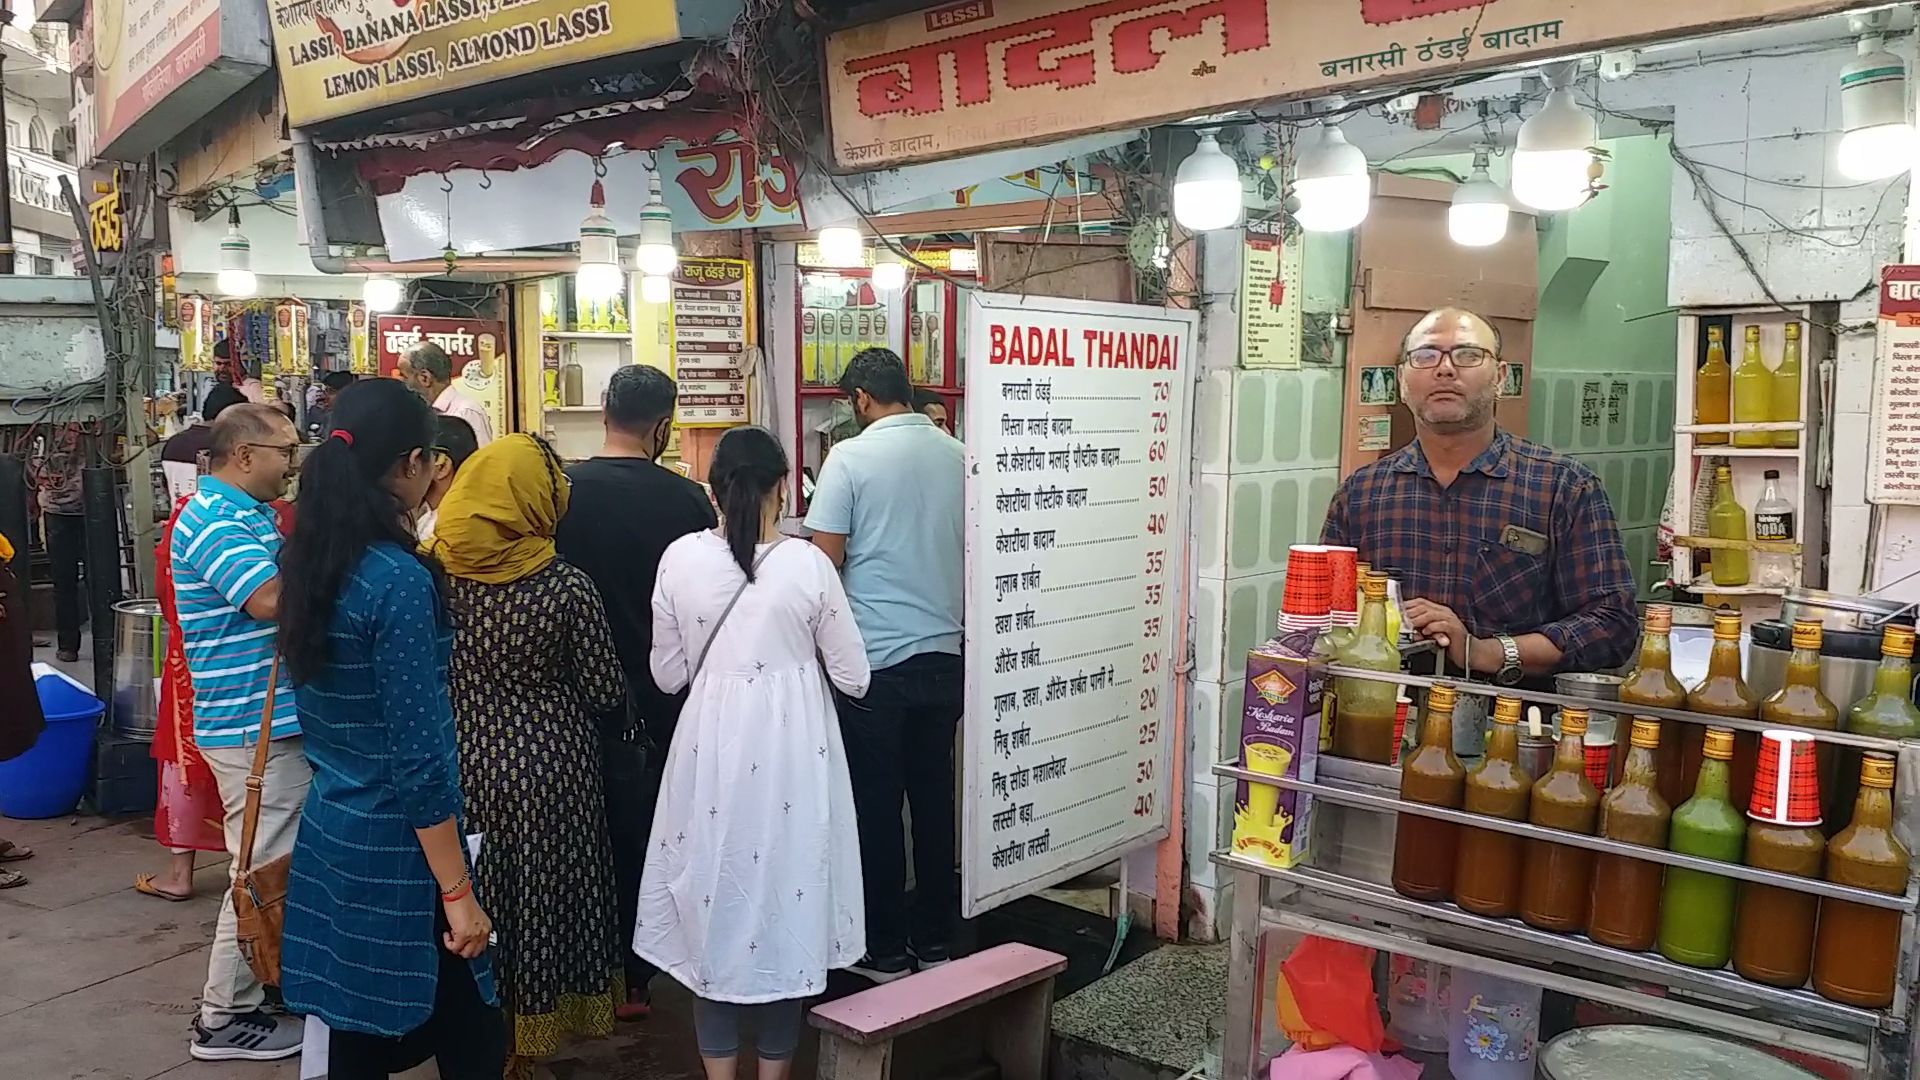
(48, 780)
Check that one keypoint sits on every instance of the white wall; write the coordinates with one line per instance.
(279, 253)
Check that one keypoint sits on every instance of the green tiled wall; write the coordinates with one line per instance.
(1627, 440)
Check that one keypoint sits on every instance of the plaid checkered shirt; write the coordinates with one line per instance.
(1462, 545)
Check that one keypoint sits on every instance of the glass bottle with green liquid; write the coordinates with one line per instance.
(1786, 388)
(1364, 730)
(1696, 908)
(1752, 393)
(1727, 520)
(1887, 710)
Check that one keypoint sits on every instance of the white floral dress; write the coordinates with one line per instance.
(752, 887)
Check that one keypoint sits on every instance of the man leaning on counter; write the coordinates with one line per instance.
(1507, 551)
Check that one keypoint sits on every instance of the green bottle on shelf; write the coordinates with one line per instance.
(1696, 908)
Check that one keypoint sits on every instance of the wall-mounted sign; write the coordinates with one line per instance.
(474, 345)
(338, 57)
(1893, 450)
(712, 330)
(159, 65)
(105, 221)
(979, 74)
(1272, 265)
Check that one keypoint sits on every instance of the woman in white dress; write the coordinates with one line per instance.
(752, 888)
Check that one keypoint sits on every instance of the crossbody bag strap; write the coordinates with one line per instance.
(256, 778)
(701, 660)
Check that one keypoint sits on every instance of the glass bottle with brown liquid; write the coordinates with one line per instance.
(1773, 927)
(1424, 849)
(1801, 703)
(1651, 682)
(1557, 882)
(1486, 878)
(1724, 693)
(1857, 950)
(1364, 728)
(1626, 891)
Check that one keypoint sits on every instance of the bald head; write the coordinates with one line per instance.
(238, 425)
(253, 448)
(1450, 372)
(1454, 316)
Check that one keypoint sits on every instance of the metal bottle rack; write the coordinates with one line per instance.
(1880, 1044)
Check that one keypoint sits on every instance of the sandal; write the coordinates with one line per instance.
(638, 1006)
(12, 852)
(12, 879)
(143, 884)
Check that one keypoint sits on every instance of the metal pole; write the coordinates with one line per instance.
(6, 163)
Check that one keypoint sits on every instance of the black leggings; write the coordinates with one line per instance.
(716, 1025)
(465, 1036)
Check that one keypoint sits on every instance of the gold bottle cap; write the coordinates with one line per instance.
(1897, 641)
(1793, 331)
(1726, 626)
(1719, 744)
(1374, 586)
(1572, 721)
(1753, 333)
(1646, 733)
(1713, 333)
(1876, 771)
(1506, 710)
(1723, 472)
(1440, 698)
(1363, 569)
(1806, 634)
(1659, 619)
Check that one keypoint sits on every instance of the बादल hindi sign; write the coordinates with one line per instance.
(1077, 451)
(979, 74)
(340, 57)
(1893, 450)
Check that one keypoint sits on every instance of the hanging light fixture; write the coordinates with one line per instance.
(1330, 179)
(655, 289)
(841, 245)
(889, 270)
(1879, 141)
(656, 255)
(599, 276)
(1478, 216)
(382, 294)
(1554, 151)
(1206, 187)
(236, 260)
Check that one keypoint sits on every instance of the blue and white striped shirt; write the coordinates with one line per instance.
(225, 546)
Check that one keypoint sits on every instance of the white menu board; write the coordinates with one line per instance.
(1893, 451)
(712, 327)
(1076, 480)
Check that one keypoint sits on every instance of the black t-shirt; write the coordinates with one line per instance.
(623, 514)
(186, 445)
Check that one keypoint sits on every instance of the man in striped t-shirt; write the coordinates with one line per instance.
(226, 576)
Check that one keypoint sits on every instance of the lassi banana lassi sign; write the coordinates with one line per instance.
(340, 57)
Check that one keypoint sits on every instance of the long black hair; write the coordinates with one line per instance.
(344, 508)
(747, 464)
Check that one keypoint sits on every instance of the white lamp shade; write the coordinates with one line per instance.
(656, 255)
(236, 262)
(1478, 216)
(1879, 142)
(655, 290)
(382, 294)
(1552, 156)
(598, 281)
(1875, 153)
(1206, 188)
(1331, 182)
(889, 273)
(841, 245)
(237, 283)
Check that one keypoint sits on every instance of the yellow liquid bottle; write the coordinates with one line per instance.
(1786, 388)
(1727, 521)
(1752, 393)
(1712, 390)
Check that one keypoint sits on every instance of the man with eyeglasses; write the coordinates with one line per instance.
(226, 576)
(1510, 553)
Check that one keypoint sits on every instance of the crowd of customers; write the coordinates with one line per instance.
(538, 732)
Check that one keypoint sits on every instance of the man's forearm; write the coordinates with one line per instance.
(1538, 655)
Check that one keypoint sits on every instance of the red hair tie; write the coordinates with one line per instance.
(342, 434)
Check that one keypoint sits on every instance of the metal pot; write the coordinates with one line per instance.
(1833, 611)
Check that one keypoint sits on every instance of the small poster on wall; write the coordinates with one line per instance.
(712, 326)
(1376, 432)
(1893, 462)
(1270, 301)
(474, 345)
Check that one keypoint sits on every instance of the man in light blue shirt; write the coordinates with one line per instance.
(889, 511)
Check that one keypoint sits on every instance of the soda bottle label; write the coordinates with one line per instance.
(1773, 526)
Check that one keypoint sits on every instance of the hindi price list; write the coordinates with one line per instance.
(1893, 474)
(712, 328)
(1077, 448)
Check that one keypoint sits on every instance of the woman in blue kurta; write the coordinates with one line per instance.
(385, 939)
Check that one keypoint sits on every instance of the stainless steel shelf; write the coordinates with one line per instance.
(1841, 738)
(1364, 800)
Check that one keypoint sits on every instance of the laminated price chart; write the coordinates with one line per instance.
(1077, 463)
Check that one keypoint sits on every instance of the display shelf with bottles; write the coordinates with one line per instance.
(1782, 434)
(582, 344)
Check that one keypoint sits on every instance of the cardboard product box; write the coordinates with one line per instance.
(1279, 736)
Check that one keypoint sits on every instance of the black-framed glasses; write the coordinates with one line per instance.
(286, 448)
(1462, 356)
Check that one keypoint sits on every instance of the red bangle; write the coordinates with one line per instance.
(465, 890)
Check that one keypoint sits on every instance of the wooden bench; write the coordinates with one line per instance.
(1008, 989)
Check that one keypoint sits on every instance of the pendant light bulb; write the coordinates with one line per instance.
(1879, 141)
(841, 245)
(236, 260)
(1330, 179)
(655, 290)
(889, 271)
(1206, 187)
(656, 255)
(599, 277)
(1478, 216)
(1551, 160)
(382, 294)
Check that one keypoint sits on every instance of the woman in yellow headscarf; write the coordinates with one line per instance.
(533, 669)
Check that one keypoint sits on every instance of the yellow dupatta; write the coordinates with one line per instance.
(497, 522)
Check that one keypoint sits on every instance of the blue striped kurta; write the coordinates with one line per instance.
(362, 948)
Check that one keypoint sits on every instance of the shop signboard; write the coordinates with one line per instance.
(979, 74)
(159, 65)
(475, 346)
(1271, 266)
(1893, 450)
(1076, 482)
(341, 57)
(712, 321)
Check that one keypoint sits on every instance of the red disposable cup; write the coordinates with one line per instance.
(1599, 758)
(1786, 782)
(1343, 578)
(1400, 708)
(1308, 590)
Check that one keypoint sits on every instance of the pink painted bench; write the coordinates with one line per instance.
(1008, 989)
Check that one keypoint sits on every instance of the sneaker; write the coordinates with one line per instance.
(253, 1036)
(928, 957)
(67, 656)
(882, 970)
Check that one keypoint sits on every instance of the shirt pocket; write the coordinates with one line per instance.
(1511, 590)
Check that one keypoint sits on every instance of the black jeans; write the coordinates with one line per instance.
(67, 551)
(900, 744)
(465, 1036)
(631, 772)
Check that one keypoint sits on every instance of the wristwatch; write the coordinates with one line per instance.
(1509, 672)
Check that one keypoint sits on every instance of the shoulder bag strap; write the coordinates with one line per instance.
(256, 779)
(700, 661)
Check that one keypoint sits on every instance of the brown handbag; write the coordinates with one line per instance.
(260, 892)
